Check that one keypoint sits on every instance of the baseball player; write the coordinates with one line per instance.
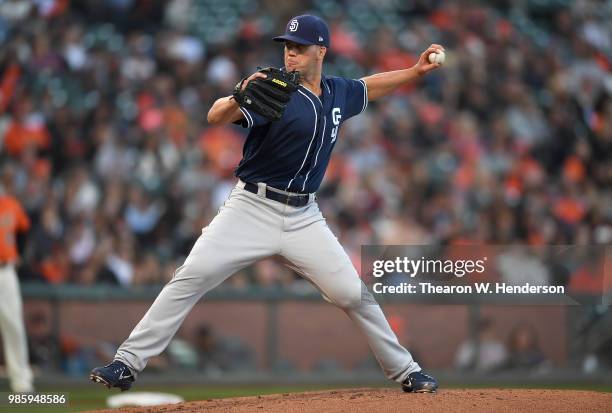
(294, 116)
(13, 219)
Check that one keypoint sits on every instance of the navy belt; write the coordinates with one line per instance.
(293, 200)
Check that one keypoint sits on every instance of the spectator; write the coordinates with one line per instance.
(486, 354)
(221, 353)
(523, 349)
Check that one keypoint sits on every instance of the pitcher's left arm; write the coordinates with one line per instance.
(382, 84)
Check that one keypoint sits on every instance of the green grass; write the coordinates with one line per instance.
(84, 398)
(90, 398)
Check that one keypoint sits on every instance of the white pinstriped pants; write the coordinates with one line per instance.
(250, 227)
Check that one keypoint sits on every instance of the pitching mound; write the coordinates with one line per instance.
(393, 400)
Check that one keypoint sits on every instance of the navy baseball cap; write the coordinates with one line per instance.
(306, 29)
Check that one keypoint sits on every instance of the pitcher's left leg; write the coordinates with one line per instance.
(317, 255)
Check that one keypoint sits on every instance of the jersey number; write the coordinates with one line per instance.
(336, 115)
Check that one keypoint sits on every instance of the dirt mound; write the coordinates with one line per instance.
(394, 400)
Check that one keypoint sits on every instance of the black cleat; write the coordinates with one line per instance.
(419, 382)
(116, 374)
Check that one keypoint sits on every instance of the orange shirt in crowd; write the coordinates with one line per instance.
(19, 136)
(12, 219)
(8, 84)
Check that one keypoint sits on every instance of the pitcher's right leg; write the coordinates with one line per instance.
(244, 230)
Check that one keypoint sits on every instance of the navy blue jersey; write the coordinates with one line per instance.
(293, 152)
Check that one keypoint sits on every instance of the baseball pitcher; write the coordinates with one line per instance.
(294, 115)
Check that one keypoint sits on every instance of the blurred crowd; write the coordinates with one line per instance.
(103, 135)
(210, 352)
(488, 353)
(204, 350)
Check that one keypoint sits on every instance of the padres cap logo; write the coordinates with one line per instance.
(293, 25)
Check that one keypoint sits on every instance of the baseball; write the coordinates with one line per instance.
(437, 57)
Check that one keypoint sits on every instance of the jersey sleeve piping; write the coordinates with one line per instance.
(365, 95)
(247, 116)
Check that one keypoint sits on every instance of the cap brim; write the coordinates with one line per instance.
(290, 38)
